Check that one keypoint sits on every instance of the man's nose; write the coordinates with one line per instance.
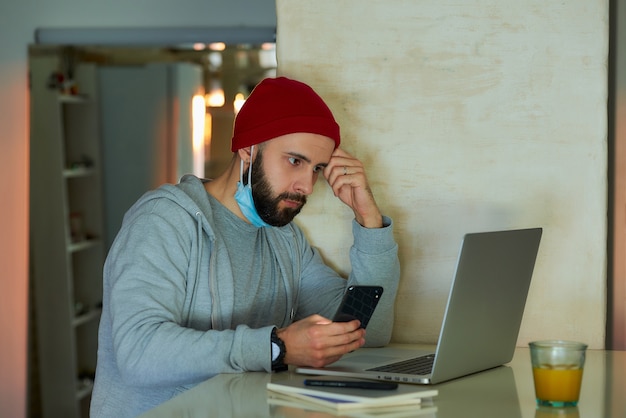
(304, 184)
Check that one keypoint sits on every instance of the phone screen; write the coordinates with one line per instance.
(359, 303)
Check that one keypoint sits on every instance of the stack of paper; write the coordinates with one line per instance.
(406, 400)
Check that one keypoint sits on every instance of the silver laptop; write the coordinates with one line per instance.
(482, 319)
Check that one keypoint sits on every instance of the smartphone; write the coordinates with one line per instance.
(359, 303)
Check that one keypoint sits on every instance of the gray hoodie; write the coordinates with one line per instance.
(169, 298)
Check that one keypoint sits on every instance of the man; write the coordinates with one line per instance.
(209, 277)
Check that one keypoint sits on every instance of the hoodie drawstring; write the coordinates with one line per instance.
(198, 264)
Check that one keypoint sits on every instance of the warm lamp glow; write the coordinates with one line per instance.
(238, 102)
(208, 134)
(215, 60)
(217, 46)
(198, 114)
(215, 97)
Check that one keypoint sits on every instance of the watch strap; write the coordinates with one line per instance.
(278, 364)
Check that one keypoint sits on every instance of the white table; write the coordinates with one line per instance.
(504, 392)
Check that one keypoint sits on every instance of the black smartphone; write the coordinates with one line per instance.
(359, 303)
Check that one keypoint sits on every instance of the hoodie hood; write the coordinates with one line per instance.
(189, 194)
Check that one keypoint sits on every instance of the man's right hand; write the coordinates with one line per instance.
(316, 341)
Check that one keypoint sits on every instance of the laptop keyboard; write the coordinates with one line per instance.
(418, 365)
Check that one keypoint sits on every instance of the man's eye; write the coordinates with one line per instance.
(318, 168)
(294, 161)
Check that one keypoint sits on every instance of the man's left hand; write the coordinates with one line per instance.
(346, 176)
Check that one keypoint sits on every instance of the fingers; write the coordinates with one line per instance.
(316, 341)
(334, 335)
(343, 168)
(346, 176)
(344, 337)
(336, 345)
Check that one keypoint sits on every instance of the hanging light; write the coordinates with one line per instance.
(215, 97)
(238, 102)
(217, 46)
(267, 55)
(198, 114)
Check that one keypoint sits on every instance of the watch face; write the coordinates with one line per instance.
(275, 351)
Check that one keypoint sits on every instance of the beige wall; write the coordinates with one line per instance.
(470, 116)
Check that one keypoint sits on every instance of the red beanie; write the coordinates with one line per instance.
(281, 106)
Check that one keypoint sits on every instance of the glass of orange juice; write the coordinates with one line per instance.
(557, 371)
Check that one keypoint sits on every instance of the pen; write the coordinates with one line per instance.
(351, 384)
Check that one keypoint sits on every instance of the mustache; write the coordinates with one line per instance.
(296, 197)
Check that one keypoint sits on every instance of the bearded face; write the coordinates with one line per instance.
(267, 203)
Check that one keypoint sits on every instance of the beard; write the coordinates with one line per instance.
(266, 202)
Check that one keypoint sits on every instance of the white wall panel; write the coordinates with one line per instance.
(469, 116)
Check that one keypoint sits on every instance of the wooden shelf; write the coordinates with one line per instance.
(73, 98)
(82, 245)
(91, 315)
(66, 186)
(78, 172)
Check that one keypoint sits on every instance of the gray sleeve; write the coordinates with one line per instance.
(374, 260)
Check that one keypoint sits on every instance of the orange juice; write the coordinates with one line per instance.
(557, 383)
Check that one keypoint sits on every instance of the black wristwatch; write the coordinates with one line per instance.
(278, 353)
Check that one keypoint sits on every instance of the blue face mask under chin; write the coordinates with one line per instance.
(244, 199)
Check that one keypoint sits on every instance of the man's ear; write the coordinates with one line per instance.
(245, 155)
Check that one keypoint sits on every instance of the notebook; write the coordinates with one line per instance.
(481, 322)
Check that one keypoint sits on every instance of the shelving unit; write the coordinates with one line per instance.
(66, 227)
